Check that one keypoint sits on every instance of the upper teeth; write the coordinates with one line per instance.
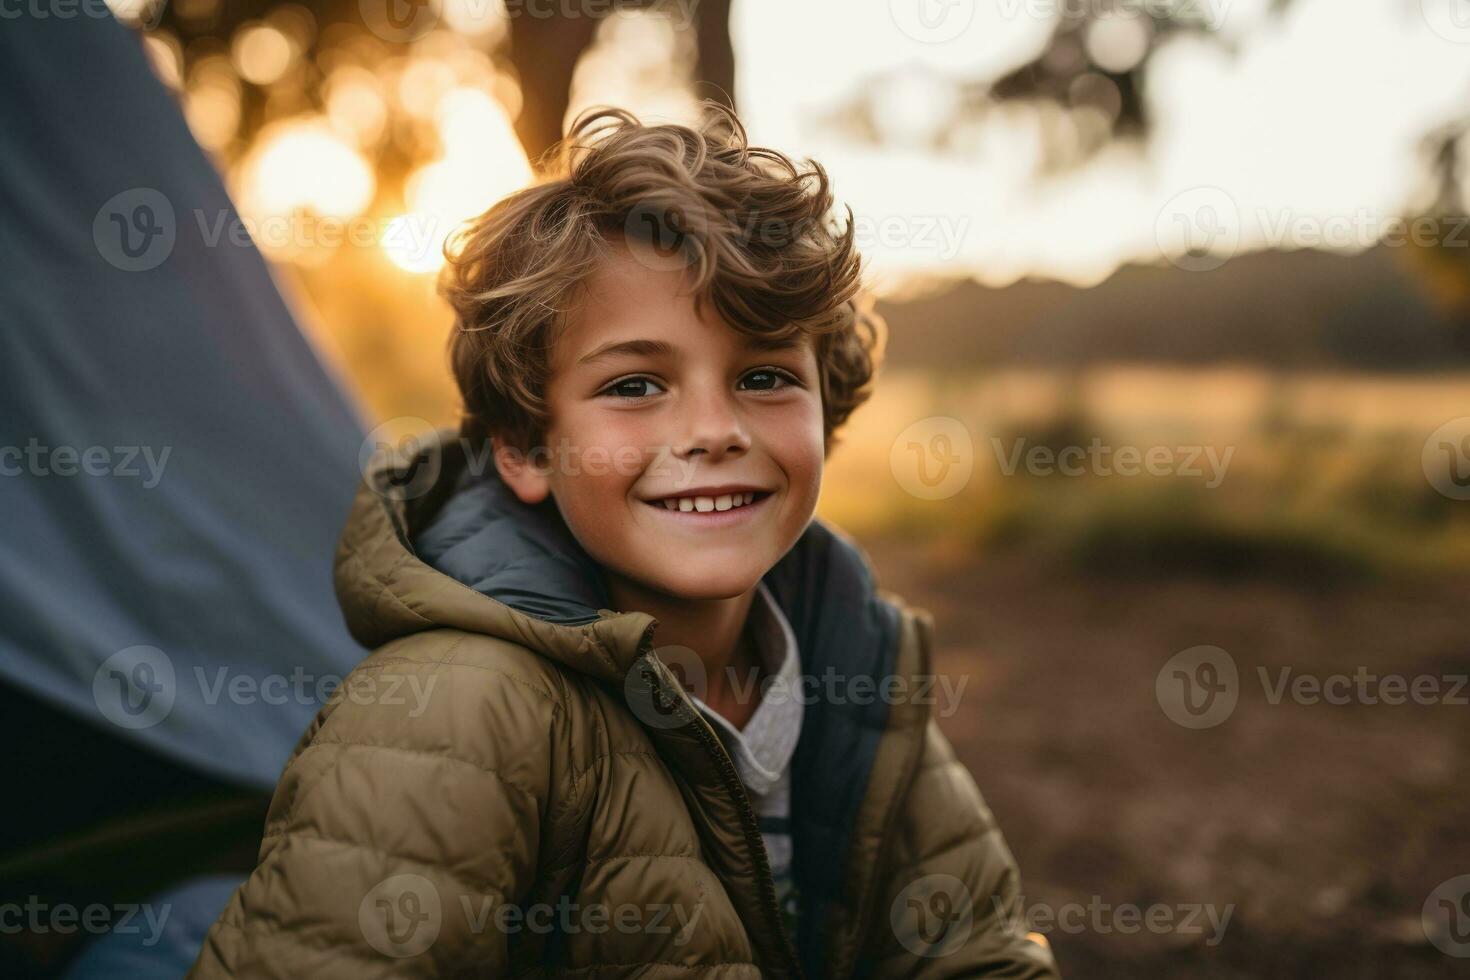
(723, 502)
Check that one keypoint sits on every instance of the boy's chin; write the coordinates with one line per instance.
(710, 582)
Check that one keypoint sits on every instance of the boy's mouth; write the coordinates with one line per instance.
(711, 510)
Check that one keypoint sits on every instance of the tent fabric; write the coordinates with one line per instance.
(165, 937)
(175, 460)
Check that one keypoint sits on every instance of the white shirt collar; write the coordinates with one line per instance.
(762, 751)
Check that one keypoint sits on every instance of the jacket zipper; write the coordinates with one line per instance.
(751, 826)
(765, 882)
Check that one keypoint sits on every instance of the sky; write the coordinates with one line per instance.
(1303, 129)
(1308, 132)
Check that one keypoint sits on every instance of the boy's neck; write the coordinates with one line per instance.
(716, 630)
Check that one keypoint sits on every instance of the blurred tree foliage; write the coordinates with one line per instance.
(540, 45)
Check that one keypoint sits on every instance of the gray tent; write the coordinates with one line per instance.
(175, 460)
(177, 463)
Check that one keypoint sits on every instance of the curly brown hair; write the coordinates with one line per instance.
(754, 231)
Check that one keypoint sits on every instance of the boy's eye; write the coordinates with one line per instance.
(631, 388)
(767, 379)
(762, 379)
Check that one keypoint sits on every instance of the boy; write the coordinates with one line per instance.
(657, 341)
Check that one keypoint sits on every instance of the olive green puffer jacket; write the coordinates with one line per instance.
(514, 784)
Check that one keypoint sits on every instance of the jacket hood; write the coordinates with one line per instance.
(438, 540)
(431, 542)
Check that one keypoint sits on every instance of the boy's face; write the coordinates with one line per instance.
(649, 401)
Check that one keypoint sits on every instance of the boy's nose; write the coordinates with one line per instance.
(713, 428)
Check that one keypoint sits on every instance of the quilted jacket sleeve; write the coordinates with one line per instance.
(951, 891)
(369, 867)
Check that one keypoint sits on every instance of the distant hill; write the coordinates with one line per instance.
(1304, 309)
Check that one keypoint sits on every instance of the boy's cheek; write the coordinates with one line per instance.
(608, 468)
(618, 447)
(802, 459)
(602, 451)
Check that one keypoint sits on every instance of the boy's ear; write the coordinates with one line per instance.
(521, 473)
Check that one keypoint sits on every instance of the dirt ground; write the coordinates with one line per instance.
(1322, 828)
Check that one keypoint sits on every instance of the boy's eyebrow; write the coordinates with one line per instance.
(662, 348)
(764, 342)
(643, 348)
